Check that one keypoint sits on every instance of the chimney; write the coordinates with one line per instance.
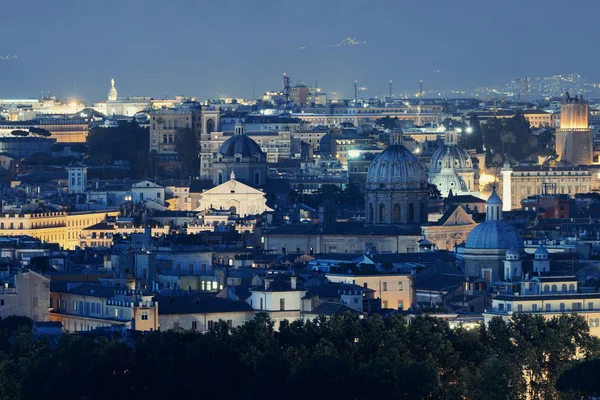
(293, 282)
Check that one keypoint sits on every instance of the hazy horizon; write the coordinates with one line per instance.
(232, 47)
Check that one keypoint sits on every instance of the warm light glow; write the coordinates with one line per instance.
(484, 179)
(353, 153)
(469, 129)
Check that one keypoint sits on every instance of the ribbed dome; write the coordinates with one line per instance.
(240, 144)
(494, 234)
(448, 178)
(396, 166)
(450, 156)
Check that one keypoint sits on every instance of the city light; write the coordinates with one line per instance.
(353, 153)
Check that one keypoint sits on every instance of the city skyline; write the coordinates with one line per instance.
(208, 51)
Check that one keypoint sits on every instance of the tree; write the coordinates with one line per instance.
(19, 132)
(126, 142)
(186, 145)
(434, 192)
(39, 132)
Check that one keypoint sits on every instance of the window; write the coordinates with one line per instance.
(534, 307)
(116, 313)
(571, 287)
(35, 302)
(194, 325)
(548, 307)
(385, 304)
(554, 288)
(385, 286)
(562, 307)
(576, 306)
(400, 305)
(564, 287)
(501, 307)
(144, 316)
(210, 324)
(546, 288)
(590, 305)
(282, 304)
(400, 286)
(520, 307)
(74, 305)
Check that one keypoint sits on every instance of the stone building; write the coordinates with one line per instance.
(451, 168)
(164, 124)
(574, 138)
(241, 156)
(396, 187)
(484, 251)
(520, 182)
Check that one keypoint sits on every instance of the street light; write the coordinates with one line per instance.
(469, 129)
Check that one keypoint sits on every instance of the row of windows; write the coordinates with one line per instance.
(385, 286)
(575, 306)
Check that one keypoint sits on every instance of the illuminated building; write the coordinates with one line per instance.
(54, 227)
(525, 181)
(451, 168)
(574, 138)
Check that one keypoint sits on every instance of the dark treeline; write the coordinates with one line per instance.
(342, 358)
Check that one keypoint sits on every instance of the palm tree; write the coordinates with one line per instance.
(508, 137)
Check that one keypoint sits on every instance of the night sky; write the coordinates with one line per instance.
(227, 47)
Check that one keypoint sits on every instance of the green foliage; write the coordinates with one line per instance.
(512, 138)
(186, 145)
(39, 132)
(19, 132)
(126, 142)
(340, 358)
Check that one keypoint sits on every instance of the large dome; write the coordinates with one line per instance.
(396, 167)
(240, 145)
(450, 156)
(494, 234)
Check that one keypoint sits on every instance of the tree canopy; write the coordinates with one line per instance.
(344, 357)
(126, 142)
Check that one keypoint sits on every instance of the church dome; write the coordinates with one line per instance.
(396, 167)
(494, 233)
(240, 145)
(448, 178)
(450, 156)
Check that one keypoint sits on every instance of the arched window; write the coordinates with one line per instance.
(170, 138)
(554, 289)
(257, 178)
(546, 288)
(571, 287)
(397, 216)
(164, 138)
(371, 217)
(381, 213)
(564, 287)
(411, 212)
